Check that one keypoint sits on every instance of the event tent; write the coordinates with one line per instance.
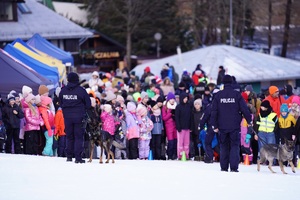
(246, 65)
(48, 72)
(15, 74)
(42, 57)
(40, 43)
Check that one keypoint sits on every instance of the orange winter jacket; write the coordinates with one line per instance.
(59, 123)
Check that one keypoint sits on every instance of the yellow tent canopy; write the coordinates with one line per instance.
(44, 58)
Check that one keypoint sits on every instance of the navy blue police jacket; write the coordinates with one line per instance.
(74, 101)
(228, 109)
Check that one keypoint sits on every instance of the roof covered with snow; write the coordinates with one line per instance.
(42, 20)
(245, 65)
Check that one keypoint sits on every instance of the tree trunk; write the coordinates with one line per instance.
(128, 50)
(286, 28)
(270, 26)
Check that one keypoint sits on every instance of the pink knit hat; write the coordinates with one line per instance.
(296, 99)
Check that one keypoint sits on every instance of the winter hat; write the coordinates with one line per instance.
(45, 100)
(107, 108)
(137, 96)
(198, 101)
(160, 99)
(296, 99)
(158, 80)
(284, 108)
(120, 98)
(26, 90)
(43, 89)
(147, 69)
(110, 96)
(141, 110)
(29, 97)
(129, 98)
(265, 104)
(181, 84)
(73, 77)
(95, 73)
(131, 107)
(144, 94)
(10, 97)
(249, 88)
(227, 79)
(245, 96)
(57, 91)
(273, 89)
(152, 103)
(170, 96)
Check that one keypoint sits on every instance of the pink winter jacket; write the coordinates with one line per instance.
(133, 130)
(108, 122)
(170, 125)
(33, 122)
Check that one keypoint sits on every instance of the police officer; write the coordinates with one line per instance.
(74, 101)
(226, 115)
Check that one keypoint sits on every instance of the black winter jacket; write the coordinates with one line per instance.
(10, 119)
(183, 113)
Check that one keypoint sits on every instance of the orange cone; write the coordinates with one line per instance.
(246, 160)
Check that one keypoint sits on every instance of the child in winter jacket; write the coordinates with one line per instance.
(133, 130)
(267, 121)
(32, 127)
(60, 132)
(108, 121)
(286, 124)
(183, 125)
(146, 126)
(168, 116)
(11, 117)
(120, 136)
(155, 116)
(48, 118)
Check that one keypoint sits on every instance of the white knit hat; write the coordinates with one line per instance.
(107, 108)
(26, 90)
(29, 97)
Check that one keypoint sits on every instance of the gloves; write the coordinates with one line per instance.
(50, 133)
(248, 137)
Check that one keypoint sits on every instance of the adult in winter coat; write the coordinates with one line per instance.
(168, 116)
(221, 74)
(74, 101)
(167, 86)
(226, 117)
(11, 117)
(183, 125)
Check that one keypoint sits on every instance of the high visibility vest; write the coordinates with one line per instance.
(267, 124)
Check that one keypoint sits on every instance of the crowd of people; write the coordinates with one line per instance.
(169, 116)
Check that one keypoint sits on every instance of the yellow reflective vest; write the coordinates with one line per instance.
(266, 124)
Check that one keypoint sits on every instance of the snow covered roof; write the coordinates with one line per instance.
(245, 65)
(42, 20)
(72, 11)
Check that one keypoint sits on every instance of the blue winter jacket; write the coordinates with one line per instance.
(74, 101)
(228, 108)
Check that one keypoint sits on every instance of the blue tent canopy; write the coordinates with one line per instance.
(14, 75)
(49, 72)
(47, 47)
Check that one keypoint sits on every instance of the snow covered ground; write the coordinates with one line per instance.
(25, 177)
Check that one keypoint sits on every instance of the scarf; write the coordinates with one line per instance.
(170, 106)
(157, 112)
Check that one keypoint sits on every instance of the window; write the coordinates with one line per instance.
(24, 8)
(6, 11)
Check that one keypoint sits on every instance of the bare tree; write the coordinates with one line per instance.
(270, 13)
(286, 28)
